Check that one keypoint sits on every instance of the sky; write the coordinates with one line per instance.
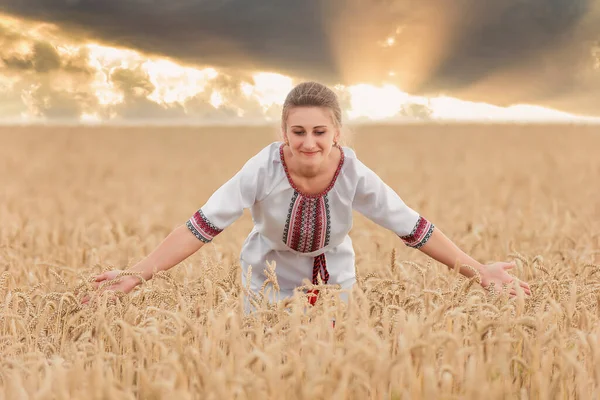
(233, 61)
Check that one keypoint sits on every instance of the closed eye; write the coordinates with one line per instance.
(302, 132)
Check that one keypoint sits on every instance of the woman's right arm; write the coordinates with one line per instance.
(223, 207)
(176, 247)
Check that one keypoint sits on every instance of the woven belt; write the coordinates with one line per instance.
(319, 267)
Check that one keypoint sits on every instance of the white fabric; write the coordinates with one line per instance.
(263, 186)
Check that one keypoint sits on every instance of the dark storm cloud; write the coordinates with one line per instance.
(282, 34)
(229, 88)
(535, 51)
(44, 58)
(502, 52)
(132, 82)
(39, 81)
(494, 35)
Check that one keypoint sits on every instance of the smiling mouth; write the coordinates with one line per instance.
(310, 153)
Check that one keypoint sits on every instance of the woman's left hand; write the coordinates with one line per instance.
(497, 274)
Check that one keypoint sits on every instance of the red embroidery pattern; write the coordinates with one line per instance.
(202, 228)
(307, 226)
(420, 234)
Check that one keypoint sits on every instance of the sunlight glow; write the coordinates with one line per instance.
(246, 89)
(448, 108)
(105, 60)
(68, 49)
(391, 40)
(175, 83)
(90, 118)
(269, 88)
(376, 103)
(111, 57)
(216, 99)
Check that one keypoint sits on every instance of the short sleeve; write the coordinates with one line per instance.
(381, 204)
(228, 202)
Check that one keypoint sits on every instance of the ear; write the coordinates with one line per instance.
(284, 135)
(337, 136)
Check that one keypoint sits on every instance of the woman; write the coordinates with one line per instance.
(301, 193)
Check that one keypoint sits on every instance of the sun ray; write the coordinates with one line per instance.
(173, 83)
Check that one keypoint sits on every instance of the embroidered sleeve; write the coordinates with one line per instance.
(420, 234)
(202, 228)
(228, 202)
(381, 204)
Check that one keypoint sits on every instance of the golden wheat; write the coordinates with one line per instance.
(77, 202)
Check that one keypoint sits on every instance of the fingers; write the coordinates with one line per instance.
(98, 279)
(97, 282)
(525, 287)
(96, 294)
(513, 293)
(511, 287)
(509, 266)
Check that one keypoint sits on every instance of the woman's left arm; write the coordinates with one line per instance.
(443, 250)
(381, 204)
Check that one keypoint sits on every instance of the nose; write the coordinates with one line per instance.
(309, 142)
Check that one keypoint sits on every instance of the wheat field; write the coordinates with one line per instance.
(76, 201)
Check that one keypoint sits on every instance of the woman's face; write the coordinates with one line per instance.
(310, 134)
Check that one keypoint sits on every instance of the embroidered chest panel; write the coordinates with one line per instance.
(308, 224)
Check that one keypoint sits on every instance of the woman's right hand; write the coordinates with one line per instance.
(126, 283)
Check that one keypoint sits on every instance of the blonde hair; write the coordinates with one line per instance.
(312, 94)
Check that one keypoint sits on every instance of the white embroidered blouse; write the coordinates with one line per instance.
(304, 234)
